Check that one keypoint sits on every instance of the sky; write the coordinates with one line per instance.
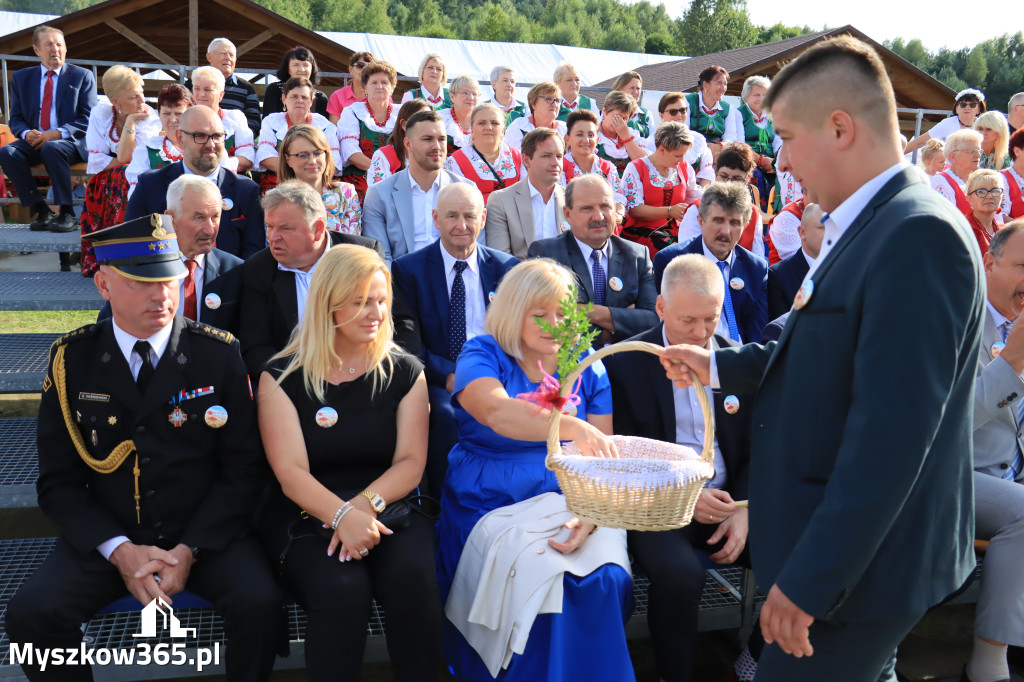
(876, 18)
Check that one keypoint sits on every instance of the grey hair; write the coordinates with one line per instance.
(1014, 101)
(176, 191)
(672, 135)
(498, 70)
(589, 178)
(221, 41)
(208, 73)
(461, 83)
(697, 273)
(302, 195)
(731, 197)
(749, 84)
(1003, 235)
(959, 140)
(562, 69)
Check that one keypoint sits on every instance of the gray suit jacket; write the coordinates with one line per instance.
(510, 221)
(630, 262)
(388, 217)
(997, 388)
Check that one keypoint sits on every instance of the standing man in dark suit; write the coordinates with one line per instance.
(275, 282)
(786, 276)
(861, 496)
(211, 293)
(49, 114)
(612, 273)
(647, 405)
(150, 465)
(724, 210)
(441, 296)
(200, 135)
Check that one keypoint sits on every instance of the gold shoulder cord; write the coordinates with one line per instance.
(116, 457)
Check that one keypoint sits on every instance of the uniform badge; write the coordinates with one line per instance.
(731, 404)
(95, 439)
(563, 226)
(216, 417)
(226, 204)
(997, 348)
(182, 359)
(736, 283)
(615, 284)
(212, 301)
(105, 357)
(78, 416)
(804, 294)
(490, 297)
(326, 417)
(177, 417)
(112, 420)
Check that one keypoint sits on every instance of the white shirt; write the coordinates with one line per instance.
(1007, 203)
(689, 227)
(197, 279)
(545, 222)
(606, 253)
(423, 205)
(126, 343)
(64, 134)
(212, 177)
(723, 323)
(475, 308)
(944, 128)
(302, 280)
(807, 257)
(690, 424)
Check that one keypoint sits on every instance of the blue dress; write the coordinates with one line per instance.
(486, 471)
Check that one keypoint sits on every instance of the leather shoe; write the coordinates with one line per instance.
(965, 678)
(42, 221)
(65, 222)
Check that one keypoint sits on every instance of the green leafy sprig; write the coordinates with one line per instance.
(573, 334)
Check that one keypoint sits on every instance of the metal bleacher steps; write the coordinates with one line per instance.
(15, 238)
(48, 291)
(23, 359)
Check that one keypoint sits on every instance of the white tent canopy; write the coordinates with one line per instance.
(12, 22)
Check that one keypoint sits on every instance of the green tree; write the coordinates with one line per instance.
(948, 76)
(976, 70)
(714, 25)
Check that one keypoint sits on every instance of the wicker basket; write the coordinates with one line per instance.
(651, 485)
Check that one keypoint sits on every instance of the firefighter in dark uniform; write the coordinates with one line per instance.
(150, 465)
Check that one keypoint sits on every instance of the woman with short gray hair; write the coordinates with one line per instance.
(503, 83)
(465, 94)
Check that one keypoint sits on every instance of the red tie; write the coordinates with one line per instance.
(44, 113)
(190, 291)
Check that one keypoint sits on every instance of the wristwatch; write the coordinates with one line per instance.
(195, 552)
(376, 501)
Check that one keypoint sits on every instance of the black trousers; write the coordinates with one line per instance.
(444, 434)
(669, 560)
(399, 573)
(49, 608)
(18, 157)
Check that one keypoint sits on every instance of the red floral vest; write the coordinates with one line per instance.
(1016, 196)
(486, 186)
(659, 196)
(962, 204)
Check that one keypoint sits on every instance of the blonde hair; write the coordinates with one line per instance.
(429, 57)
(993, 120)
(981, 176)
(118, 79)
(562, 70)
(344, 273)
(463, 82)
(315, 137)
(540, 281)
(930, 149)
(210, 75)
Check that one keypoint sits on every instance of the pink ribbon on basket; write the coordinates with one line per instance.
(547, 394)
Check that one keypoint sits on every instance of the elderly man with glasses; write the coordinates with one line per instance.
(200, 136)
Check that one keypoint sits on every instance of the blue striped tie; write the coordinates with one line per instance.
(600, 278)
(457, 312)
(730, 315)
(1018, 412)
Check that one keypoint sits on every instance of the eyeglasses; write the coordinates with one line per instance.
(305, 156)
(203, 138)
(676, 112)
(982, 193)
(357, 65)
(469, 94)
(549, 100)
(972, 152)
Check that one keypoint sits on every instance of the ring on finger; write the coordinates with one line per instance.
(710, 518)
(364, 552)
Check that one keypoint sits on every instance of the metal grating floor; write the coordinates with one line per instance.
(18, 238)
(19, 464)
(18, 560)
(48, 291)
(23, 359)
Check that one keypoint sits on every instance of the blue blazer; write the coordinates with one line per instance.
(750, 302)
(241, 227)
(861, 469)
(222, 275)
(421, 302)
(387, 214)
(75, 91)
(784, 279)
(629, 262)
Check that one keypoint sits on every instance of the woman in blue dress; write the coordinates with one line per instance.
(499, 461)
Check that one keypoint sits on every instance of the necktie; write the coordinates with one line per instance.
(730, 315)
(44, 110)
(190, 291)
(1018, 414)
(600, 278)
(457, 313)
(146, 371)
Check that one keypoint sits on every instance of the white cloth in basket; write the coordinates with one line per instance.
(508, 574)
(642, 464)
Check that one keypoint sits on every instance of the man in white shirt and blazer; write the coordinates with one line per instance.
(532, 208)
(398, 211)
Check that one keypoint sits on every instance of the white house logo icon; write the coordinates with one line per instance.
(170, 621)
